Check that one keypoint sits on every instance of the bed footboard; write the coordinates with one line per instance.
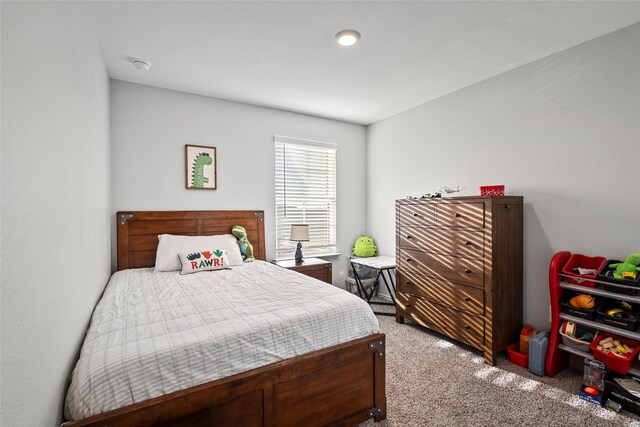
(340, 385)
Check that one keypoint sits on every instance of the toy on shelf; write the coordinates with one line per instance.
(623, 310)
(621, 277)
(575, 309)
(615, 347)
(628, 269)
(620, 314)
(583, 301)
(570, 329)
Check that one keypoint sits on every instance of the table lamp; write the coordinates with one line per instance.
(299, 233)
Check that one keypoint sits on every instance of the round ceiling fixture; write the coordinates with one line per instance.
(141, 65)
(347, 37)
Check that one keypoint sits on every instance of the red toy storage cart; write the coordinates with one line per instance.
(559, 282)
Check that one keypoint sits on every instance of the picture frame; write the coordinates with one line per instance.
(201, 167)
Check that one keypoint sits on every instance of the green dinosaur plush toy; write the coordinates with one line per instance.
(630, 265)
(364, 247)
(245, 247)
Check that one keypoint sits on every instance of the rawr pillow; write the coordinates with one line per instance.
(169, 246)
(204, 261)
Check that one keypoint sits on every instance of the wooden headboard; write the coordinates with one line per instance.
(138, 231)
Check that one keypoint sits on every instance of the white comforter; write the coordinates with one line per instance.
(156, 333)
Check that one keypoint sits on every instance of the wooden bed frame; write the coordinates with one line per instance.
(340, 385)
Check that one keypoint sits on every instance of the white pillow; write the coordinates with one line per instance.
(193, 262)
(169, 246)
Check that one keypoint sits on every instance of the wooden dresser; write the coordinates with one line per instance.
(459, 268)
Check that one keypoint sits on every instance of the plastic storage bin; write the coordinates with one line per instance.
(624, 323)
(602, 275)
(516, 357)
(583, 261)
(575, 311)
(617, 364)
(575, 342)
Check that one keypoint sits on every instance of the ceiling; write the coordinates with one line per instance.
(283, 54)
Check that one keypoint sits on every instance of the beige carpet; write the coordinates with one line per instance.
(435, 382)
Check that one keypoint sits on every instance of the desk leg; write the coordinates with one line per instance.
(362, 292)
(369, 295)
(384, 278)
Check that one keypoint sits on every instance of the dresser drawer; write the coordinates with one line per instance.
(460, 215)
(458, 325)
(464, 243)
(417, 215)
(464, 298)
(444, 267)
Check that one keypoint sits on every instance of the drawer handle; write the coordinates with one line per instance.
(409, 282)
(467, 299)
(416, 214)
(467, 243)
(409, 259)
(466, 270)
(467, 327)
(457, 215)
(408, 237)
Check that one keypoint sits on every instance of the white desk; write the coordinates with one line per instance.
(386, 266)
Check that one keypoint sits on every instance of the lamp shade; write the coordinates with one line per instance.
(299, 233)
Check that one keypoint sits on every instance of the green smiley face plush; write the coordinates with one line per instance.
(364, 247)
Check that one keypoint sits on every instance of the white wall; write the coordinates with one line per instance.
(55, 203)
(150, 127)
(564, 132)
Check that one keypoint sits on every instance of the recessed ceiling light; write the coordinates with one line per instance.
(141, 65)
(347, 37)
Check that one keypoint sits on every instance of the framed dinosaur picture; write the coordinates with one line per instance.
(201, 167)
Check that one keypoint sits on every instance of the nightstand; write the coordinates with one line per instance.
(313, 267)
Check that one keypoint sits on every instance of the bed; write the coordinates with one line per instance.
(342, 384)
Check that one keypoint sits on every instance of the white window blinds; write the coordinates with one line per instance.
(305, 194)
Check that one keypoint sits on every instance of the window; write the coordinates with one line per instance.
(305, 194)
